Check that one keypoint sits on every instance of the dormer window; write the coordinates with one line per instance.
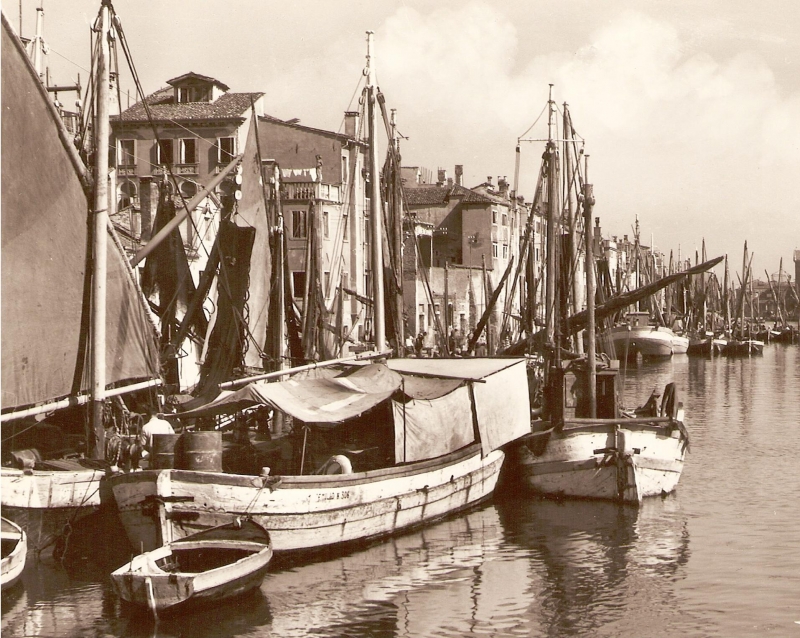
(193, 94)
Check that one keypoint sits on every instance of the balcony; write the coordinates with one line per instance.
(177, 169)
(305, 191)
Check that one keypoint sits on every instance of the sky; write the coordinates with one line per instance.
(690, 109)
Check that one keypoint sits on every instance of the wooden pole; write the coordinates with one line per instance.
(588, 204)
(376, 210)
(96, 443)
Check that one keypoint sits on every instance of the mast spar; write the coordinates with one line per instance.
(375, 208)
(102, 126)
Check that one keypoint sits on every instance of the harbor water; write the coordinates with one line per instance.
(719, 557)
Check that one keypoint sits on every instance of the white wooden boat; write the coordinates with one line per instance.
(622, 460)
(210, 566)
(14, 552)
(618, 458)
(637, 337)
(440, 426)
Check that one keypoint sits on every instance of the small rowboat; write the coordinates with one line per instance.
(14, 552)
(215, 564)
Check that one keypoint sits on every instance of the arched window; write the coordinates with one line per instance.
(126, 193)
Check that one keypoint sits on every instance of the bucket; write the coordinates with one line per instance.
(201, 451)
(163, 453)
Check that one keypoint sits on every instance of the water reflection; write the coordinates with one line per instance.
(596, 565)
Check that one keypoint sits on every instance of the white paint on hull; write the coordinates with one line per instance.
(50, 489)
(307, 512)
(574, 464)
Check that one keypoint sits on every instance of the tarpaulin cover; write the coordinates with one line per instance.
(330, 400)
(428, 387)
(44, 256)
(503, 406)
(471, 368)
(252, 213)
(426, 429)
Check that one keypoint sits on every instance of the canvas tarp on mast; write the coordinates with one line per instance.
(252, 213)
(44, 257)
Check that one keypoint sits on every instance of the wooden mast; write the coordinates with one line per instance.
(375, 208)
(550, 153)
(102, 126)
(588, 204)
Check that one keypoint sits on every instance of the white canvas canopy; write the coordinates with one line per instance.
(437, 404)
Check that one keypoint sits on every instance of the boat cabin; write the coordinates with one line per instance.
(638, 319)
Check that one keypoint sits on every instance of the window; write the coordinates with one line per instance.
(325, 225)
(299, 225)
(127, 152)
(494, 216)
(184, 94)
(326, 279)
(495, 249)
(422, 309)
(344, 169)
(299, 283)
(345, 224)
(189, 151)
(164, 152)
(505, 219)
(127, 193)
(226, 149)
(505, 251)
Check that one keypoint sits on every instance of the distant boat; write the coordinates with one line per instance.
(210, 566)
(638, 337)
(14, 552)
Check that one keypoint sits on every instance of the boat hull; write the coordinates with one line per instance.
(745, 348)
(43, 501)
(649, 341)
(625, 463)
(15, 553)
(304, 513)
(141, 582)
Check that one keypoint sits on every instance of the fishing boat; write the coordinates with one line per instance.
(583, 444)
(376, 450)
(372, 449)
(637, 337)
(214, 565)
(14, 552)
(76, 331)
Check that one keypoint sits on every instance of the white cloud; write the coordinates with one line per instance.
(698, 146)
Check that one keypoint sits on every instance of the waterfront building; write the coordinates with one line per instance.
(324, 173)
(454, 233)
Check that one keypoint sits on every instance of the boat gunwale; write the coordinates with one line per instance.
(311, 481)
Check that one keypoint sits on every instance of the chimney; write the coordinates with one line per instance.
(502, 183)
(351, 124)
(442, 177)
(450, 181)
(489, 180)
(460, 174)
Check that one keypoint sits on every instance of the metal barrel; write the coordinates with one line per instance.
(201, 451)
(164, 448)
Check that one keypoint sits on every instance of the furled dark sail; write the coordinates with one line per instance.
(252, 213)
(45, 242)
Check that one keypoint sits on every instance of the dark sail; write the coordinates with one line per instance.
(45, 242)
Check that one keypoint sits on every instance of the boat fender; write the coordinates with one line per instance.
(338, 464)
(669, 402)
